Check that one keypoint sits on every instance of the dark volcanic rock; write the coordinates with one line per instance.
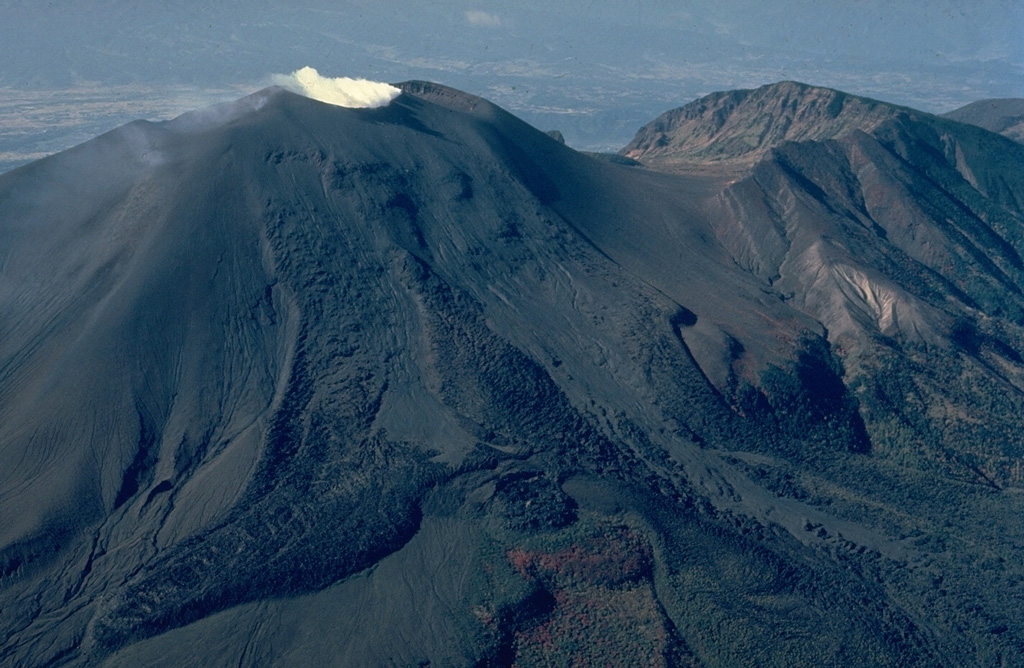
(283, 383)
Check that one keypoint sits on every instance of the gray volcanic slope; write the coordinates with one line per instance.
(283, 383)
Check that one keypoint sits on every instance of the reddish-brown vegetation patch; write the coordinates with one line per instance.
(605, 611)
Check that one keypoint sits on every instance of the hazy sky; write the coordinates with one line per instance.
(595, 69)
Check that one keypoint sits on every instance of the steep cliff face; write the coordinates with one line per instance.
(285, 383)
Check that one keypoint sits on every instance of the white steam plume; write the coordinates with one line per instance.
(340, 91)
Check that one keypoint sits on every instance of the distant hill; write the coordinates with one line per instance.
(1005, 116)
(743, 125)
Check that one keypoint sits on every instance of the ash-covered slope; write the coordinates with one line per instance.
(284, 383)
(1005, 116)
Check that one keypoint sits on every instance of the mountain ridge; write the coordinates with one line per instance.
(744, 125)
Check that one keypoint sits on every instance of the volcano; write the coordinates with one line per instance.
(285, 383)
